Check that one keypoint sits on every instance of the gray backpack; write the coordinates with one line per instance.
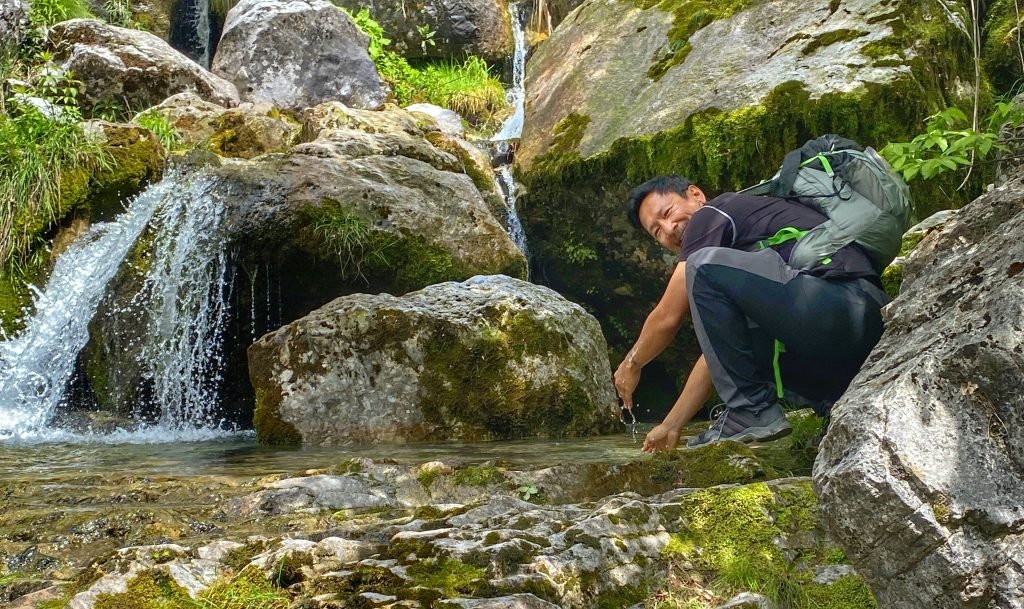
(866, 202)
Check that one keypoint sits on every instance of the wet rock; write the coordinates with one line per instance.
(297, 54)
(443, 28)
(493, 357)
(137, 160)
(748, 600)
(126, 68)
(920, 476)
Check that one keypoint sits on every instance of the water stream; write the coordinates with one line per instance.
(512, 128)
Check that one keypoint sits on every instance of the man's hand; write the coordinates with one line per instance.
(661, 438)
(626, 378)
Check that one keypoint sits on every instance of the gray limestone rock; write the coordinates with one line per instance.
(13, 22)
(297, 54)
(130, 68)
(921, 476)
(443, 28)
(492, 357)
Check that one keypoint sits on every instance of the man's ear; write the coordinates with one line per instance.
(696, 193)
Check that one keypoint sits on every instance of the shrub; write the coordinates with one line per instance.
(45, 13)
(46, 160)
(162, 128)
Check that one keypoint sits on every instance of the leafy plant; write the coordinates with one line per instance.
(46, 159)
(162, 128)
(576, 252)
(950, 143)
(527, 491)
(426, 37)
(119, 13)
(45, 13)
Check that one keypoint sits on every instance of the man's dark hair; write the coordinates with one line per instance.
(660, 185)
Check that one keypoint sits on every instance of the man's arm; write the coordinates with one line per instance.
(696, 391)
(658, 331)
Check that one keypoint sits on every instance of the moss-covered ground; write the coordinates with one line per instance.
(735, 539)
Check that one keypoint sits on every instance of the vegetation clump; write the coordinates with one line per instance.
(467, 87)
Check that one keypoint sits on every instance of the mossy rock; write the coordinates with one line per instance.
(136, 159)
(489, 358)
(589, 140)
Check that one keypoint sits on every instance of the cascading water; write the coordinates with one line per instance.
(183, 298)
(190, 30)
(516, 96)
(512, 128)
(186, 295)
(513, 225)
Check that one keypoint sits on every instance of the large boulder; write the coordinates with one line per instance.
(297, 54)
(493, 357)
(921, 476)
(375, 210)
(126, 68)
(623, 91)
(443, 28)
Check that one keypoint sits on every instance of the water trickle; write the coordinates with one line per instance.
(516, 96)
(513, 225)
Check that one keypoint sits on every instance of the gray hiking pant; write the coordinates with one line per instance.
(742, 302)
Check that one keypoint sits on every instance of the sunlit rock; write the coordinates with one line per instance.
(129, 69)
(492, 357)
(297, 54)
(920, 476)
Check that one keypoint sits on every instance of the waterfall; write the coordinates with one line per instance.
(512, 128)
(190, 30)
(182, 305)
(516, 96)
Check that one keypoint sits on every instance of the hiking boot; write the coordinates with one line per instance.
(742, 425)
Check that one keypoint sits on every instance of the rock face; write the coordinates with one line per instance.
(455, 27)
(130, 68)
(297, 54)
(921, 476)
(492, 357)
(621, 93)
(13, 22)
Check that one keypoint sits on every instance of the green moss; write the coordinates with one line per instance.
(239, 558)
(451, 577)
(733, 535)
(566, 137)
(466, 382)
(832, 37)
(270, 428)
(1002, 42)
(14, 298)
(137, 158)
(848, 592)
(427, 476)
(428, 512)
(892, 279)
(290, 568)
(478, 475)
(619, 597)
(689, 17)
(249, 589)
(149, 590)
(492, 538)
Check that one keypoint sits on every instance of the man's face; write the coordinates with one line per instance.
(665, 215)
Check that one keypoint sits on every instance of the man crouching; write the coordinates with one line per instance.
(766, 331)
